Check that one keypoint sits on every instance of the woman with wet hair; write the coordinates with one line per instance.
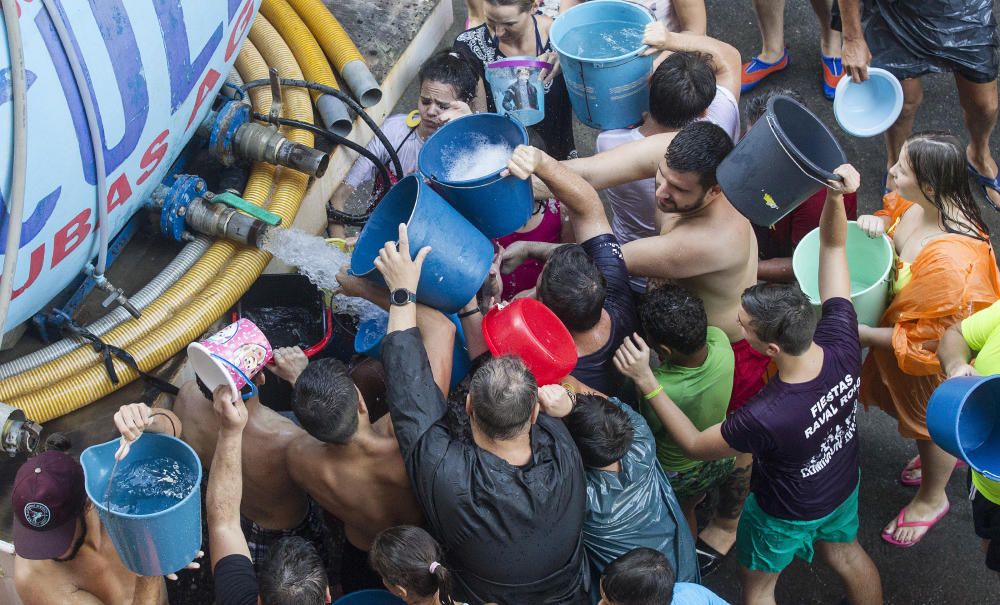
(945, 271)
(409, 561)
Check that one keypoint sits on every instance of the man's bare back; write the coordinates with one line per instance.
(713, 252)
(95, 576)
(363, 483)
(271, 499)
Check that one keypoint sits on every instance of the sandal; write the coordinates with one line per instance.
(915, 464)
(709, 559)
(986, 183)
(901, 522)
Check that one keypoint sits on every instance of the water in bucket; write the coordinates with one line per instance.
(143, 487)
(475, 159)
(517, 88)
(602, 40)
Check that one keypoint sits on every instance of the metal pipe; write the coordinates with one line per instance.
(262, 143)
(219, 220)
(96, 141)
(19, 159)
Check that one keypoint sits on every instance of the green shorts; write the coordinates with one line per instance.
(700, 478)
(768, 544)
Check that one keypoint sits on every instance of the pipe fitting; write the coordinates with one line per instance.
(18, 435)
(218, 220)
(261, 143)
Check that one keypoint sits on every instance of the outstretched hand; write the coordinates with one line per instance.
(632, 358)
(131, 420)
(397, 267)
(555, 400)
(288, 363)
(872, 225)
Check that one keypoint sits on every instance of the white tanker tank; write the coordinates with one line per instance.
(153, 70)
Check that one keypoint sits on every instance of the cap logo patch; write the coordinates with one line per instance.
(37, 514)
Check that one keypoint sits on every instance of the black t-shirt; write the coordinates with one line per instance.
(803, 436)
(596, 370)
(512, 533)
(235, 581)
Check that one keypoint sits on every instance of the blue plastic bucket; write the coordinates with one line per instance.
(599, 51)
(156, 543)
(368, 341)
(460, 261)
(517, 88)
(370, 597)
(496, 205)
(865, 109)
(963, 417)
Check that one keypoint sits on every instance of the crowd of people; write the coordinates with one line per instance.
(703, 370)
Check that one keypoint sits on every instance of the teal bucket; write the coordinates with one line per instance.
(963, 417)
(870, 261)
(160, 535)
(370, 597)
(460, 260)
(368, 341)
(600, 46)
(496, 205)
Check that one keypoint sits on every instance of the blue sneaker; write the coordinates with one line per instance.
(755, 70)
(833, 71)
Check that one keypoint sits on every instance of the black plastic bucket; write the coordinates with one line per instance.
(784, 159)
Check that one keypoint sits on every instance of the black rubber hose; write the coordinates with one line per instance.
(347, 100)
(382, 177)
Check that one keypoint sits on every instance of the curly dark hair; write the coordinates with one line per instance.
(673, 317)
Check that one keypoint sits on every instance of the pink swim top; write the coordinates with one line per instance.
(549, 230)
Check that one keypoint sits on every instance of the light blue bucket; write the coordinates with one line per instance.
(963, 418)
(368, 341)
(496, 205)
(157, 543)
(869, 108)
(607, 78)
(517, 88)
(460, 260)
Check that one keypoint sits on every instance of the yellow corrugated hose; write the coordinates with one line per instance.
(160, 342)
(300, 40)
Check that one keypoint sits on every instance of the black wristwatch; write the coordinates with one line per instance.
(401, 296)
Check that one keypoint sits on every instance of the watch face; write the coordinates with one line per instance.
(400, 296)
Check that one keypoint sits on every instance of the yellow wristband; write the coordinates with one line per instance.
(653, 393)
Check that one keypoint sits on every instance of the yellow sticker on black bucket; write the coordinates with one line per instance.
(769, 202)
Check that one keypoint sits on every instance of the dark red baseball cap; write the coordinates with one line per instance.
(47, 500)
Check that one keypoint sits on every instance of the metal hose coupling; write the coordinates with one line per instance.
(262, 143)
(18, 435)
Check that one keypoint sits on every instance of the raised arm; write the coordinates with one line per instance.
(726, 60)
(225, 482)
(834, 276)
(632, 360)
(582, 204)
(856, 54)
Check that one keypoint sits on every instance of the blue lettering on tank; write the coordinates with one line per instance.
(184, 73)
(5, 83)
(34, 224)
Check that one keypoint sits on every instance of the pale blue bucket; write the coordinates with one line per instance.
(963, 417)
(607, 78)
(157, 543)
(869, 108)
(368, 341)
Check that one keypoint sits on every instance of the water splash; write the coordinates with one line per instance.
(150, 485)
(320, 262)
(477, 160)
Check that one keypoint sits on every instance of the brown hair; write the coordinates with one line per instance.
(524, 5)
(405, 556)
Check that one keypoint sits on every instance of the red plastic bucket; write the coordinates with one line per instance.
(528, 329)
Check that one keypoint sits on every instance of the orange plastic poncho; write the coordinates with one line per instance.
(951, 278)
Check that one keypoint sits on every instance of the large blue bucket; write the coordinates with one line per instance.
(963, 417)
(460, 260)
(599, 51)
(368, 341)
(157, 543)
(370, 597)
(496, 205)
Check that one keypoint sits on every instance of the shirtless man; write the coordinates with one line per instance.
(706, 245)
(273, 506)
(351, 466)
(64, 554)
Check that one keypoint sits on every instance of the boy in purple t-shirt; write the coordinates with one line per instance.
(800, 427)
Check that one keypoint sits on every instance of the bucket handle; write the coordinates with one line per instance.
(250, 383)
(989, 475)
(499, 178)
(830, 176)
(520, 63)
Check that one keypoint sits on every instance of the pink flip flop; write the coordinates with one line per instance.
(900, 522)
(915, 464)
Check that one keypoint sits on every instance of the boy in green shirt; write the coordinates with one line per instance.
(697, 374)
(979, 334)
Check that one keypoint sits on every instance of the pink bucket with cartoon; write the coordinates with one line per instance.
(233, 356)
